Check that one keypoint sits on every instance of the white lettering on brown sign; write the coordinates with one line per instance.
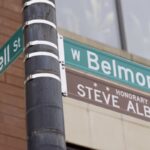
(108, 95)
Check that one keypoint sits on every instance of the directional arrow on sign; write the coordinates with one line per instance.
(11, 50)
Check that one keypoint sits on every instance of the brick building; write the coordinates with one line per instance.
(12, 112)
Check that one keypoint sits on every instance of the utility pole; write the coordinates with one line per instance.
(45, 121)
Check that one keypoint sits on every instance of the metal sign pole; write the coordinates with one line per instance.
(45, 121)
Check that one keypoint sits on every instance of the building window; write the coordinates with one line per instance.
(137, 26)
(94, 19)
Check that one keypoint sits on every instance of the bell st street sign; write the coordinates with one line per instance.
(11, 50)
(107, 95)
(106, 65)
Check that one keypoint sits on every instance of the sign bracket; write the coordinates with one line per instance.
(62, 65)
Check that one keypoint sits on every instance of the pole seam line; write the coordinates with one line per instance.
(34, 54)
(39, 106)
(39, 1)
(41, 42)
(38, 21)
(42, 75)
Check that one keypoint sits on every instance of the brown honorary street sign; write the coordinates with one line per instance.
(107, 95)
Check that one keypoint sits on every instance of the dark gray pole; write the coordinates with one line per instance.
(45, 122)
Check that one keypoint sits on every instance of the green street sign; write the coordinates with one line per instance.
(11, 50)
(106, 65)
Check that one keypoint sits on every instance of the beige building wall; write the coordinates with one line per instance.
(102, 129)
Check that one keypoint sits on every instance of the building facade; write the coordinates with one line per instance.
(95, 119)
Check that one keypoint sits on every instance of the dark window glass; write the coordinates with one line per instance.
(76, 147)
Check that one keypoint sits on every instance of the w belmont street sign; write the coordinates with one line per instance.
(88, 59)
(106, 65)
(11, 50)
